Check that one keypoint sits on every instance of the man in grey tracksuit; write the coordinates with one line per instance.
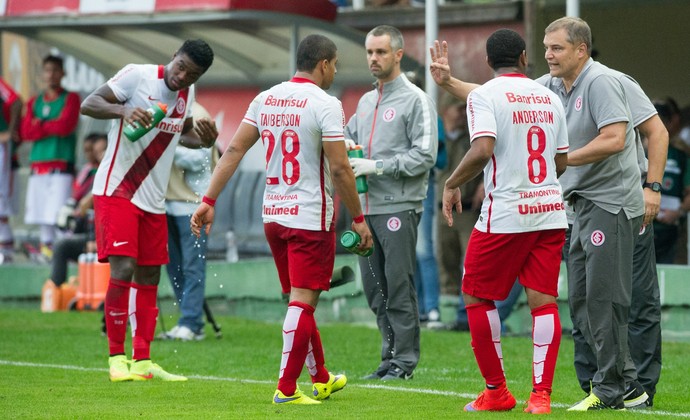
(602, 184)
(644, 320)
(396, 125)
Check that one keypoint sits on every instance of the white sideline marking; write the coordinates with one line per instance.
(368, 386)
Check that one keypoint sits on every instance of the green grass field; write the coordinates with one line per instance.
(54, 366)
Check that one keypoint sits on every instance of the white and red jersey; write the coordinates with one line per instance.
(520, 181)
(293, 119)
(139, 171)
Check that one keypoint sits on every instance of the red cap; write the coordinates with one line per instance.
(163, 107)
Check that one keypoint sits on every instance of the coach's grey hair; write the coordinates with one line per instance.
(577, 29)
(397, 42)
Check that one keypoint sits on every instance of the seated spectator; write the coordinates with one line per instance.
(75, 214)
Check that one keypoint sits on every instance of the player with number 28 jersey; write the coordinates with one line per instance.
(292, 124)
(522, 190)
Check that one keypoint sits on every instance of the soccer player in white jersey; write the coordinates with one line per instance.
(519, 139)
(129, 195)
(301, 128)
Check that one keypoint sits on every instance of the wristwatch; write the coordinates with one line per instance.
(654, 186)
(379, 167)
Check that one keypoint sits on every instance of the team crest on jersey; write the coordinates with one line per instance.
(578, 103)
(389, 114)
(180, 106)
(394, 224)
(597, 238)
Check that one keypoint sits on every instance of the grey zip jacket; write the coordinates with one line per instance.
(397, 123)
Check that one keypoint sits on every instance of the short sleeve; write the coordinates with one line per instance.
(125, 82)
(482, 122)
(332, 120)
(251, 116)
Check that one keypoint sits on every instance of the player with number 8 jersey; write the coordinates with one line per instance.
(527, 122)
(519, 139)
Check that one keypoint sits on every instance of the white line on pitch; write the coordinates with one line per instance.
(368, 386)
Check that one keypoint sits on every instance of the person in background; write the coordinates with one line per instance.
(397, 126)
(10, 115)
(129, 195)
(452, 240)
(50, 124)
(426, 272)
(189, 179)
(673, 189)
(298, 211)
(521, 229)
(80, 234)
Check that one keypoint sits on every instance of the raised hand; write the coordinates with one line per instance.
(439, 67)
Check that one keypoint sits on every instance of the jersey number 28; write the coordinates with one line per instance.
(289, 163)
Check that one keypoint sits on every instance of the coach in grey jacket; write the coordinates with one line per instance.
(397, 126)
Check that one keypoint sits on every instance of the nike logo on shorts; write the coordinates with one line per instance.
(116, 243)
(112, 313)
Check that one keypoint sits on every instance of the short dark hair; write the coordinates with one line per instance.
(397, 41)
(199, 51)
(666, 108)
(58, 61)
(578, 31)
(504, 48)
(94, 137)
(313, 49)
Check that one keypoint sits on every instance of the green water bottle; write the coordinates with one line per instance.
(360, 181)
(350, 240)
(135, 131)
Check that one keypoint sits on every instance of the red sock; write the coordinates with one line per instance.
(546, 335)
(115, 308)
(297, 332)
(485, 330)
(316, 362)
(144, 312)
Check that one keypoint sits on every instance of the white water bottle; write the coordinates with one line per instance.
(231, 254)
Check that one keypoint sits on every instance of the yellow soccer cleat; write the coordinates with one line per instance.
(119, 368)
(297, 398)
(145, 370)
(335, 383)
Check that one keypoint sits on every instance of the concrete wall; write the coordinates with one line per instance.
(646, 39)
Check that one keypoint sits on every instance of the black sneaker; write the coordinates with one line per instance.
(395, 373)
(380, 372)
(635, 396)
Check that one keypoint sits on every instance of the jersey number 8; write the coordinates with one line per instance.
(536, 144)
